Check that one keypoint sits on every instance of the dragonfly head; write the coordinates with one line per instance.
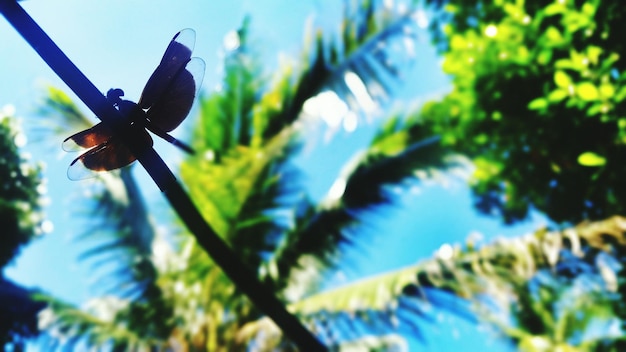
(130, 110)
(115, 96)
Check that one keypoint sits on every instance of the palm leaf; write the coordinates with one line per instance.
(493, 271)
(225, 117)
(99, 323)
(360, 65)
(65, 115)
(245, 120)
(397, 154)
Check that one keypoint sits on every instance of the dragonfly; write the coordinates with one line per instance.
(165, 102)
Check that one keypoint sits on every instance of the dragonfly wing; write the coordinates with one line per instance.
(88, 138)
(176, 56)
(174, 105)
(111, 155)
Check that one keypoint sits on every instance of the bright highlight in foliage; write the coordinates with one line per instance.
(591, 159)
(357, 87)
(328, 106)
(491, 31)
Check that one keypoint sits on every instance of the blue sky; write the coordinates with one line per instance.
(119, 43)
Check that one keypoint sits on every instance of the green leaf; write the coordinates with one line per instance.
(448, 139)
(513, 10)
(544, 56)
(451, 8)
(481, 139)
(587, 91)
(567, 64)
(557, 95)
(621, 94)
(538, 104)
(553, 9)
(589, 9)
(607, 90)
(554, 35)
(597, 108)
(562, 79)
(593, 53)
(591, 159)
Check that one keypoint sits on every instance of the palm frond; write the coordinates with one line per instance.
(58, 104)
(377, 43)
(65, 119)
(243, 195)
(225, 117)
(360, 65)
(106, 321)
(396, 155)
(264, 335)
(245, 119)
(558, 309)
(239, 179)
(119, 227)
(492, 271)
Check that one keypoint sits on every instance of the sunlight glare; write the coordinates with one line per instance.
(231, 41)
(209, 155)
(350, 122)
(491, 31)
(328, 106)
(409, 45)
(445, 252)
(179, 287)
(106, 308)
(421, 18)
(25, 169)
(160, 253)
(357, 87)
(47, 226)
(41, 188)
(116, 187)
(20, 140)
(7, 110)
(337, 189)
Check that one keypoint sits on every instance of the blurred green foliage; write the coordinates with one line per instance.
(538, 103)
(20, 186)
(21, 220)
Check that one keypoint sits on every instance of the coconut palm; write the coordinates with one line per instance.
(243, 183)
(164, 292)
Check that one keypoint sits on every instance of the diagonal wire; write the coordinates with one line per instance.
(162, 176)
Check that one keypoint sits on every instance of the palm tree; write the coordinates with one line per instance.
(165, 293)
(243, 183)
